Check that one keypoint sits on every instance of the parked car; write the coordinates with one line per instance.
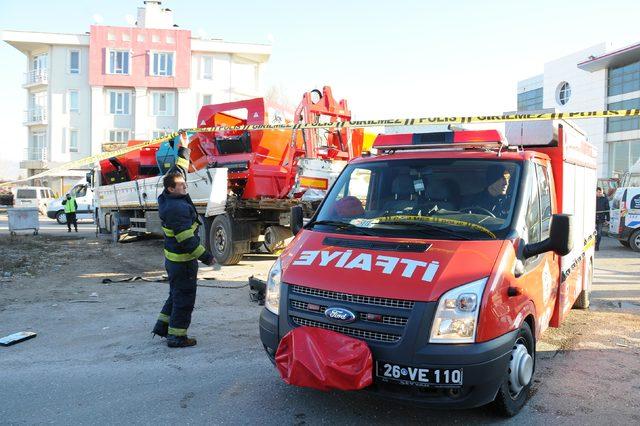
(34, 196)
(84, 197)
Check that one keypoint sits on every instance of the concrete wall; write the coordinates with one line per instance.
(588, 92)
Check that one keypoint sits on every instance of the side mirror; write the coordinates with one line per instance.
(89, 175)
(296, 221)
(560, 239)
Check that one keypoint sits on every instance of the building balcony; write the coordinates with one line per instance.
(35, 158)
(36, 115)
(35, 78)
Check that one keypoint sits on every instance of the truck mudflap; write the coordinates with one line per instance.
(323, 359)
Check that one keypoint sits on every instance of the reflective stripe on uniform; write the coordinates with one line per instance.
(181, 236)
(164, 318)
(177, 331)
(184, 257)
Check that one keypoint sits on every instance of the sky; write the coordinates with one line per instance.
(389, 59)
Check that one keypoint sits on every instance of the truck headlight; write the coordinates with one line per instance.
(456, 319)
(272, 297)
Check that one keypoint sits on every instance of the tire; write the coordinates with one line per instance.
(634, 240)
(61, 217)
(582, 302)
(625, 243)
(222, 243)
(508, 402)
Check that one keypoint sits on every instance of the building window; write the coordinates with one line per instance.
(163, 103)
(159, 133)
(623, 155)
(111, 36)
(170, 40)
(126, 37)
(161, 64)
(63, 142)
(73, 140)
(206, 72)
(118, 61)
(74, 103)
(624, 79)
(206, 99)
(623, 124)
(155, 38)
(119, 135)
(564, 93)
(530, 100)
(119, 102)
(140, 38)
(74, 62)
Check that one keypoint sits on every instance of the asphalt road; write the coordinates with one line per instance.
(94, 361)
(48, 226)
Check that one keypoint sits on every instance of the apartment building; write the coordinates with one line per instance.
(93, 92)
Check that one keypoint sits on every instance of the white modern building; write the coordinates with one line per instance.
(592, 79)
(93, 92)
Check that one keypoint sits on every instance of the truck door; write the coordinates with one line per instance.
(540, 279)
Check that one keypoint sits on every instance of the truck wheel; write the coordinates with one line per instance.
(625, 243)
(634, 240)
(582, 302)
(514, 391)
(221, 240)
(61, 217)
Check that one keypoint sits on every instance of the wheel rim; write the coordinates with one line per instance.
(636, 241)
(220, 240)
(520, 368)
(63, 217)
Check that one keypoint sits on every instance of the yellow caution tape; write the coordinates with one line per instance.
(421, 121)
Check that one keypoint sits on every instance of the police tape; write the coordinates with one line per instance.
(93, 159)
(420, 121)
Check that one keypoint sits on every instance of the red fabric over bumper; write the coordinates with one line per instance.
(323, 359)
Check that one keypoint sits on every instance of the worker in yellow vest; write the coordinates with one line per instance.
(70, 207)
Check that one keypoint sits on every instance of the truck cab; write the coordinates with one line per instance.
(448, 254)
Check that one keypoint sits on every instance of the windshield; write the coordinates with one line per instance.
(26, 193)
(424, 198)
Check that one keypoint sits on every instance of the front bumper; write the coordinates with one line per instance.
(51, 214)
(484, 364)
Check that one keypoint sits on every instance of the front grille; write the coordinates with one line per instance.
(386, 319)
(363, 334)
(354, 298)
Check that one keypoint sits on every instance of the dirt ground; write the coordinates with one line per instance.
(95, 362)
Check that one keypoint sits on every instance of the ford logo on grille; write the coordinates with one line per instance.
(340, 314)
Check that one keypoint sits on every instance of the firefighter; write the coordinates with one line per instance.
(70, 207)
(182, 251)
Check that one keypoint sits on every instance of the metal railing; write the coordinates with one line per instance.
(37, 76)
(35, 154)
(35, 115)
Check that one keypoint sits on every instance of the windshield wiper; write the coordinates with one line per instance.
(425, 227)
(342, 226)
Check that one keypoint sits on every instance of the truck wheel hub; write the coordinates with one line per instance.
(220, 239)
(520, 369)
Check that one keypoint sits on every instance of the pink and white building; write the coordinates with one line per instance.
(88, 92)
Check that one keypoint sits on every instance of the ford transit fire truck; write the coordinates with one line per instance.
(445, 256)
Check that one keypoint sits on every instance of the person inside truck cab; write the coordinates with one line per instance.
(495, 200)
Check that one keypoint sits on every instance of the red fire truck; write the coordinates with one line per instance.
(446, 255)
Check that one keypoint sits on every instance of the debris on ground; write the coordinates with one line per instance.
(14, 338)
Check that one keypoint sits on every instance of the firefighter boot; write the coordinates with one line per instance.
(160, 329)
(180, 341)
